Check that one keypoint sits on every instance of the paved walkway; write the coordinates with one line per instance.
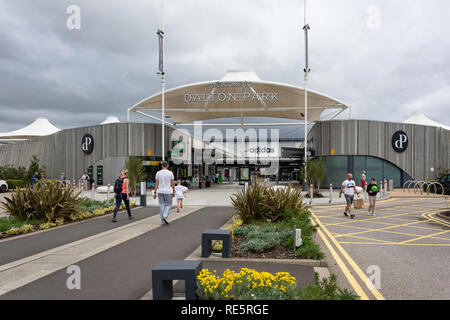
(408, 244)
(115, 264)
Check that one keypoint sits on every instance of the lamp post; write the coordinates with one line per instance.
(160, 34)
(306, 71)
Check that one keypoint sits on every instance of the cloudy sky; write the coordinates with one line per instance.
(385, 58)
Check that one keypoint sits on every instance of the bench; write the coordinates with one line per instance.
(209, 235)
(167, 271)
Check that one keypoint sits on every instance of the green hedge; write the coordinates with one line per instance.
(14, 184)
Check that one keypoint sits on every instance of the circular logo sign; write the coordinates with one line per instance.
(400, 141)
(87, 143)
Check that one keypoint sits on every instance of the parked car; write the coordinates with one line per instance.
(3, 186)
(445, 181)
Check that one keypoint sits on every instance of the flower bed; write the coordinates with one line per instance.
(249, 284)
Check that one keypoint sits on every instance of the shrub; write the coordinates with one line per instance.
(18, 205)
(46, 225)
(13, 231)
(325, 289)
(15, 184)
(261, 239)
(260, 202)
(249, 205)
(276, 202)
(48, 199)
(8, 172)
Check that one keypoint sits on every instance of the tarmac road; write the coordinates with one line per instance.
(403, 241)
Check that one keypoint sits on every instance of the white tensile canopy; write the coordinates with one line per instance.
(421, 119)
(239, 94)
(111, 119)
(40, 127)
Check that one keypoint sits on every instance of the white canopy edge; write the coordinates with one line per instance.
(38, 128)
(240, 76)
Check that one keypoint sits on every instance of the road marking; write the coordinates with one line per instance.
(385, 228)
(365, 238)
(359, 291)
(352, 263)
(434, 218)
(398, 244)
(423, 237)
(375, 218)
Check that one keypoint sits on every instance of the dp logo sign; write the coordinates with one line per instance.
(87, 143)
(400, 141)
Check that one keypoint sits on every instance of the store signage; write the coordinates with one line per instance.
(151, 163)
(221, 96)
(87, 143)
(400, 141)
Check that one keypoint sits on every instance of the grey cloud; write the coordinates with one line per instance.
(75, 77)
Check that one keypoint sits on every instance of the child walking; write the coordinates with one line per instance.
(372, 190)
(179, 189)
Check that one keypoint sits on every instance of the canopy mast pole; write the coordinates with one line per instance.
(306, 70)
(160, 34)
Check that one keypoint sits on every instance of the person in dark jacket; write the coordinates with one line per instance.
(372, 190)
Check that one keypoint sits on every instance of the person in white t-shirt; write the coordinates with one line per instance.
(181, 194)
(349, 189)
(165, 191)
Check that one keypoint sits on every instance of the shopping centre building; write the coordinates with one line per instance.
(398, 151)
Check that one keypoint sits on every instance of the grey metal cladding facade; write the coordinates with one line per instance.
(62, 151)
(428, 147)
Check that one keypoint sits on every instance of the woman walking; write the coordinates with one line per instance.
(124, 194)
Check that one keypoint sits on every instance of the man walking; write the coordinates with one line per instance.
(349, 189)
(165, 191)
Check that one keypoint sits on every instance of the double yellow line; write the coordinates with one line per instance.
(353, 282)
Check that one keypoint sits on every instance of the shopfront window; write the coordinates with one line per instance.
(392, 172)
(339, 166)
(337, 169)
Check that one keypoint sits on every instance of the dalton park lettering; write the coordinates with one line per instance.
(222, 96)
(230, 97)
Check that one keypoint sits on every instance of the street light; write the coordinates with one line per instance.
(160, 34)
(306, 71)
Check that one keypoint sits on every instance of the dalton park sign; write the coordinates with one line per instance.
(222, 96)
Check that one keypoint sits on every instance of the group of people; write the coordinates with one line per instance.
(349, 190)
(165, 190)
(36, 177)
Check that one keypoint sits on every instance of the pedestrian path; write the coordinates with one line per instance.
(114, 264)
